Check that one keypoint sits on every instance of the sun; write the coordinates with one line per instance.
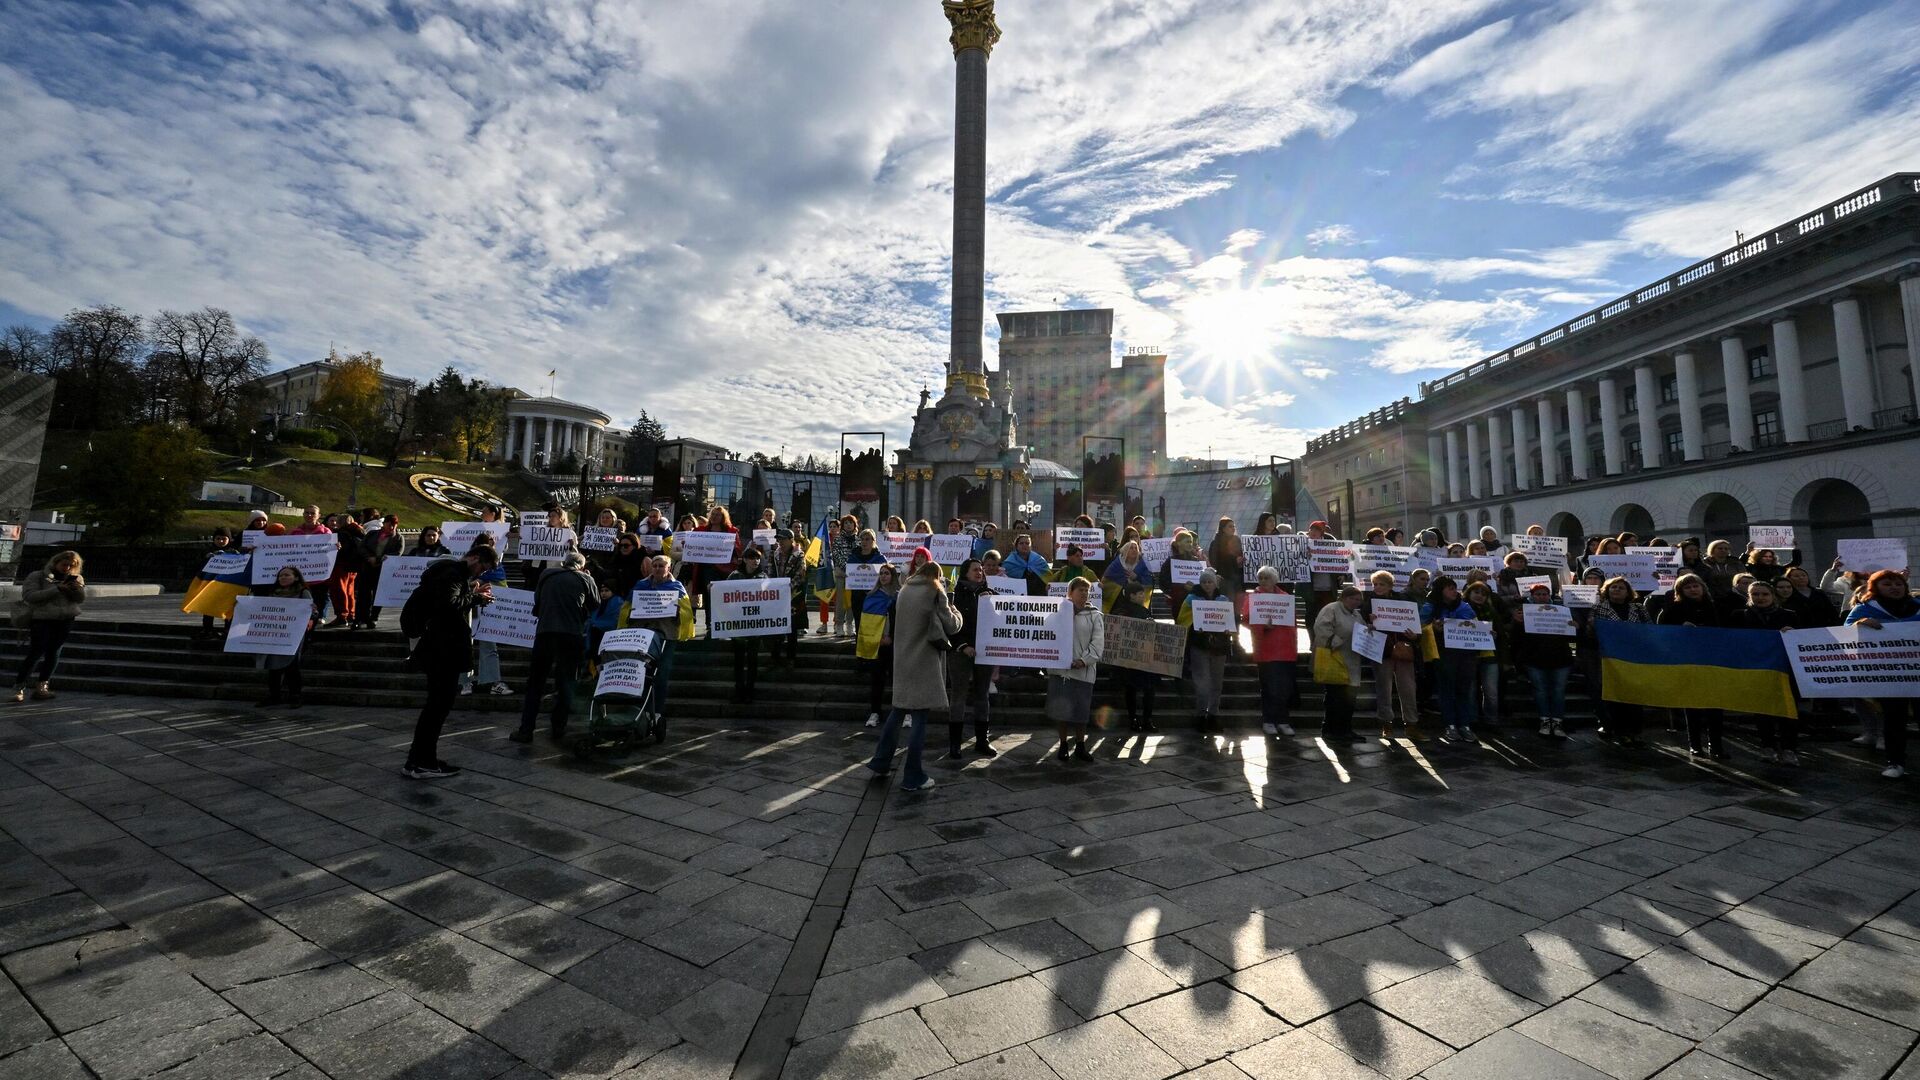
(1230, 331)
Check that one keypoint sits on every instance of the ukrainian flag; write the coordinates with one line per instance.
(215, 595)
(1695, 667)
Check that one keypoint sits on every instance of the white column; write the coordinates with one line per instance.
(1733, 370)
(1496, 454)
(1646, 388)
(1436, 469)
(1522, 449)
(526, 442)
(1473, 462)
(1577, 433)
(1453, 465)
(1856, 367)
(1549, 443)
(1793, 381)
(1686, 378)
(506, 444)
(1910, 309)
(546, 441)
(1610, 423)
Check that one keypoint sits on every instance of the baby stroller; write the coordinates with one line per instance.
(622, 712)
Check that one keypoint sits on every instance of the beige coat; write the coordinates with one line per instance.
(923, 618)
(48, 600)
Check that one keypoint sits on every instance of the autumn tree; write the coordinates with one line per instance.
(463, 415)
(202, 359)
(355, 397)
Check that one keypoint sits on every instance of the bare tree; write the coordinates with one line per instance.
(96, 353)
(24, 348)
(206, 358)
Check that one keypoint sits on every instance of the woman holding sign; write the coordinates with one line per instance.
(1693, 605)
(1396, 682)
(1127, 568)
(1276, 648)
(1458, 669)
(1207, 652)
(1546, 655)
(1889, 599)
(1070, 689)
(967, 681)
(874, 644)
(283, 672)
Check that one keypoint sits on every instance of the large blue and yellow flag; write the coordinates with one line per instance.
(213, 589)
(1695, 667)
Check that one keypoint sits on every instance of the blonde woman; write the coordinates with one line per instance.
(50, 600)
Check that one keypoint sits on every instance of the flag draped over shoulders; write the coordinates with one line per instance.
(214, 594)
(1695, 667)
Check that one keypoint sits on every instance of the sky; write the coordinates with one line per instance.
(736, 214)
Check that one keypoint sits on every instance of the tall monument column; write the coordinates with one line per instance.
(974, 35)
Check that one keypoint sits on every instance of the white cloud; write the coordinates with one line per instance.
(1332, 236)
(1582, 262)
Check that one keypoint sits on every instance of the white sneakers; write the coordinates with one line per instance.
(1894, 772)
(873, 719)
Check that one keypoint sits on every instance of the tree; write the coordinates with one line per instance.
(24, 348)
(96, 354)
(355, 397)
(648, 429)
(204, 359)
(462, 417)
(648, 433)
(135, 482)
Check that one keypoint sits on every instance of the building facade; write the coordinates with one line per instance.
(1771, 384)
(1065, 387)
(1363, 472)
(540, 433)
(290, 394)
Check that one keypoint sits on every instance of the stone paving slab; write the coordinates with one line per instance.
(190, 891)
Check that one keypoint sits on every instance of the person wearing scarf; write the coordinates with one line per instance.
(1889, 599)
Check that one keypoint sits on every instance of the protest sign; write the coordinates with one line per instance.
(1328, 556)
(1641, 571)
(1154, 552)
(1580, 596)
(653, 604)
(227, 562)
(651, 542)
(1287, 553)
(863, 576)
(707, 548)
(1144, 645)
(399, 576)
(950, 549)
(250, 538)
(1212, 616)
(1469, 634)
(598, 538)
(1545, 550)
(1526, 584)
(1092, 542)
(1854, 661)
(538, 543)
(1459, 566)
(1185, 571)
(630, 639)
(1058, 588)
(1024, 631)
(1665, 558)
(460, 535)
(1547, 619)
(1002, 585)
(1396, 616)
(312, 555)
(1365, 559)
(757, 607)
(764, 539)
(1777, 537)
(1368, 643)
(268, 625)
(508, 620)
(624, 678)
(1269, 609)
(898, 546)
(1866, 556)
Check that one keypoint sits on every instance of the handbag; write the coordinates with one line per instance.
(21, 616)
(1400, 650)
(1329, 667)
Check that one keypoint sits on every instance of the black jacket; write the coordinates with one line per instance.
(448, 594)
(1812, 610)
(1702, 612)
(966, 600)
(1767, 618)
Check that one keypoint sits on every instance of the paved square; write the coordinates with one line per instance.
(191, 890)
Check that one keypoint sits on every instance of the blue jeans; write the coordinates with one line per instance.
(916, 739)
(1549, 691)
(1459, 676)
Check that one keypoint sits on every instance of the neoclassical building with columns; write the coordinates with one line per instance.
(542, 431)
(1772, 383)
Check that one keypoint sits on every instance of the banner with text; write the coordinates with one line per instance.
(1269, 609)
(508, 620)
(1866, 556)
(269, 625)
(706, 548)
(950, 549)
(460, 535)
(1856, 662)
(1144, 645)
(1287, 553)
(1154, 552)
(399, 576)
(312, 555)
(539, 543)
(1092, 542)
(1025, 631)
(756, 608)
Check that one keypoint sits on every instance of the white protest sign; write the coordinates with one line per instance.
(598, 538)
(1580, 596)
(1154, 551)
(399, 576)
(1328, 556)
(654, 604)
(1287, 553)
(312, 555)
(863, 576)
(1269, 609)
(708, 548)
(629, 639)
(1185, 571)
(269, 625)
(538, 543)
(460, 535)
(223, 564)
(1778, 537)
(250, 538)
(1058, 588)
(651, 542)
(1468, 634)
(1092, 542)
(1547, 619)
(764, 538)
(625, 678)
(1396, 616)
(1002, 585)
(1641, 571)
(1526, 584)
(1212, 616)
(757, 607)
(1024, 631)
(1458, 567)
(1856, 662)
(898, 546)
(1866, 556)
(1144, 645)
(1368, 643)
(508, 620)
(1368, 558)
(1546, 550)
(950, 549)
(1665, 558)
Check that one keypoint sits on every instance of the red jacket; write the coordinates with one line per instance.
(1270, 643)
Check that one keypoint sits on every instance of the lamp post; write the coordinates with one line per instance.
(353, 491)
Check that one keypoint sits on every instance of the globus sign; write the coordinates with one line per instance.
(1261, 479)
